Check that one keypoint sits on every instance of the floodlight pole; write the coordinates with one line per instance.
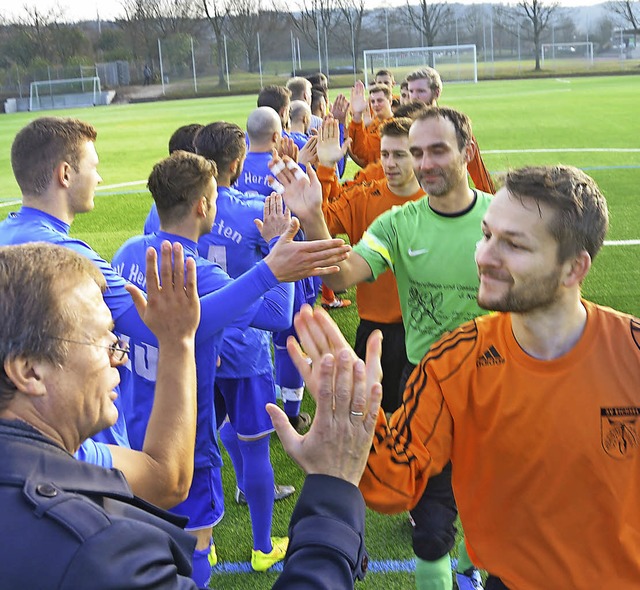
(193, 64)
(293, 54)
(319, 50)
(226, 62)
(259, 59)
(161, 66)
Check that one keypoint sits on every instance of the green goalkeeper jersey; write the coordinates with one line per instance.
(432, 257)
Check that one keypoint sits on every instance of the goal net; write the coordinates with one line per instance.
(61, 94)
(455, 63)
(582, 50)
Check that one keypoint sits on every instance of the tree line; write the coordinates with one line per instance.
(248, 31)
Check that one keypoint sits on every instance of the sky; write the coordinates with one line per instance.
(74, 10)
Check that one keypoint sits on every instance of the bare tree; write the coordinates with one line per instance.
(539, 14)
(248, 20)
(217, 16)
(353, 12)
(315, 19)
(429, 18)
(628, 10)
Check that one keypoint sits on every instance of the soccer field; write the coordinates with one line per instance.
(586, 122)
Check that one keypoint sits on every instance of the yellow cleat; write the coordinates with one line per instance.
(213, 556)
(261, 562)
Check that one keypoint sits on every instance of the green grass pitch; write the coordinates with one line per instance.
(586, 122)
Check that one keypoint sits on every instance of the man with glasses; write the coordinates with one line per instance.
(80, 523)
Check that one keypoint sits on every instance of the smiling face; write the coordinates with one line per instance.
(439, 165)
(79, 400)
(517, 258)
(380, 105)
(396, 161)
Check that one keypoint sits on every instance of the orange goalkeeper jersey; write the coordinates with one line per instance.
(545, 454)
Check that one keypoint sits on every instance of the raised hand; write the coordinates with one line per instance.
(329, 149)
(302, 192)
(276, 218)
(171, 309)
(359, 102)
(347, 394)
(291, 261)
(340, 108)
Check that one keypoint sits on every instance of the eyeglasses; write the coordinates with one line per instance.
(117, 351)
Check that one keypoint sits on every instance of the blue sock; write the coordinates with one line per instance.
(291, 408)
(201, 567)
(230, 441)
(258, 489)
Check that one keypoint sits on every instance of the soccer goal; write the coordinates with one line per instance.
(455, 63)
(61, 94)
(582, 50)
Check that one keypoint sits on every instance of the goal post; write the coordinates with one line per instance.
(60, 94)
(567, 51)
(455, 63)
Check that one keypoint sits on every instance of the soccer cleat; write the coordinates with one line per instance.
(213, 556)
(336, 303)
(301, 422)
(280, 493)
(261, 562)
(469, 580)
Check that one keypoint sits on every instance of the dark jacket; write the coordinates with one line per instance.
(66, 524)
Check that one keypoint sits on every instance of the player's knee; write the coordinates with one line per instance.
(432, 544)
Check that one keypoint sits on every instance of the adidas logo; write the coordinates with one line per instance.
(490, 358)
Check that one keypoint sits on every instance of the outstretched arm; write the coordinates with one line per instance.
(303, 195)
(161, 473)
(326, 547)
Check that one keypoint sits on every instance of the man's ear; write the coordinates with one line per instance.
(470, 150)
(26, 374)
(62, 174)
(202, 206)
(576, 269)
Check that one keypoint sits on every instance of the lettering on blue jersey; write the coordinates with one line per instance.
(254, 178)
(221, 229)
(145, 361)
(136, 275)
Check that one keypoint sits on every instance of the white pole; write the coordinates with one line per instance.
(319, 50)
(326, 51)
(353, 51)
(193, 63)
(293, 54)
(299, 58)
(491, 31)
(226, 63)
(161, 66)
(259, 59)
(519, 62)
(386, 26)
(553, 41)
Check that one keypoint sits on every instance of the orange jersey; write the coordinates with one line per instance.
(545, 454)
(479, 174)
(351, 213)
(331, 187)
(365, 141)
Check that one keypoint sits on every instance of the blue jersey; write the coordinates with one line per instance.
(299, 138)
(236, 245)
(255, 174)
(270, 310)
(33, 225)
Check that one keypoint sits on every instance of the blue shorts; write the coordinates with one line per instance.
(205, 503)
(243, 400)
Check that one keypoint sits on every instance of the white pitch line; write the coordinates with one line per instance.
(565, 150)
(622, 242)
(120, 185)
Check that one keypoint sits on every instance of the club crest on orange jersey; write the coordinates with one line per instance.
(619, 432)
